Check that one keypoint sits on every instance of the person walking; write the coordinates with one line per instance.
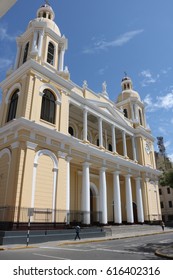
(77, 229)
(162, 225)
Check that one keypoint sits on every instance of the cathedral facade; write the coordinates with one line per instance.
(66, 153)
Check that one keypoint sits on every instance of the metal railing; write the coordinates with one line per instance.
(17, 215)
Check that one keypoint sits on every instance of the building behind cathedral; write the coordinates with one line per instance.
(67, 153)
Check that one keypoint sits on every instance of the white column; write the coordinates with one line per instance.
(103, 195)
(124, 143)
(55, 174)
(129, 202)
(133, 117)
(113, 139)
(17, 56)
(136, 113)
(145, 122)
(68, 159)
(86, 192)
(85, 125)
(140, 211)
(34, 43)
(117, 198)
(61, 59)
(100, 132)
(40, 43)
(134, 148)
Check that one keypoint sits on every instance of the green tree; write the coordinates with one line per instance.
(166, 179)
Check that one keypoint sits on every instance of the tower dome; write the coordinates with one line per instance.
(127, 90)
(46, 11)
(45, 16)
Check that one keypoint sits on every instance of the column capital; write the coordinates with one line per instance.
(68, 158)
(128, 175)
(85, 109)
(62, 154)
(86, 163)
(31, 145)
(138, 178)
(15, 145)
(117, 172)
(103, 168)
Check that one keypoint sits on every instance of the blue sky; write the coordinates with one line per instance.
(107, 38)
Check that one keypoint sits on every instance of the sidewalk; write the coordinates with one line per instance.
(113, 233)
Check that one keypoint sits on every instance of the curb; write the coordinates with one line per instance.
(17, 248)
(89, 241)
(159, 253)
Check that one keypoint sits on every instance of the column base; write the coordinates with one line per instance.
(101, 148)
(126, 157)
(85, 141)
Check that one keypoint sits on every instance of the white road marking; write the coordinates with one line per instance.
(166, 241)
(123, 251)
(98, 249)
(52, 257)
(67, 249)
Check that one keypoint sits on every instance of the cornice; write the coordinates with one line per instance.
(76, 144)
(33, 65)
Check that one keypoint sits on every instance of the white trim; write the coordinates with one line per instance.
(14, 87)
(3, 152)
(52, 88)
(55, 171)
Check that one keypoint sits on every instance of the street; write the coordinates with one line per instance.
(136, 248)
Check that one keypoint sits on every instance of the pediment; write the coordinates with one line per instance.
(109, 109)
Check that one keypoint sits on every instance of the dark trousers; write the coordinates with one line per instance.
(77, 235)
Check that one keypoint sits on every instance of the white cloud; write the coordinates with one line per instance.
(148, 78)
(118, 42)
(166, 101)
(170, 156)
(165, 71)
(5, 36)
(161, 102)
(163, 131)
(5, 63)
(167, 144)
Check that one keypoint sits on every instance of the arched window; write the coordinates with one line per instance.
(125, 113)
(13, 106)
(50, 53)
(71, 131)
(140, 117)
(48, 106)
(25, 52)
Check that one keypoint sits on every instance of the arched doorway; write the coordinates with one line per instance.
(94, 217)
(91, 207)
(135, 215)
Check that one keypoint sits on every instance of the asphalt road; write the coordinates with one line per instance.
(136, 248)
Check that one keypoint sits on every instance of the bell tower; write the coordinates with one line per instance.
(42, 41)
(130, 103)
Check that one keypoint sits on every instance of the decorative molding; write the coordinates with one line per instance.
(14, 87)
(15, 145)
(31, 145)
(62, 155)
